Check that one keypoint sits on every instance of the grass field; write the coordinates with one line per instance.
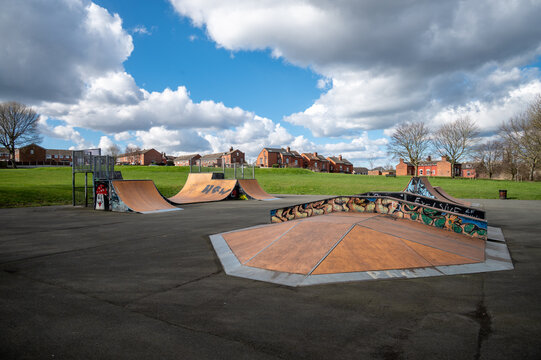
(52, 186)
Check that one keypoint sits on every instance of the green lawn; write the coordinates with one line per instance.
(52, 186)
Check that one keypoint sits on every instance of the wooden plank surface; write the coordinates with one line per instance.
(141, 195)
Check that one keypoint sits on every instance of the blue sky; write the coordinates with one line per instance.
(186, 76)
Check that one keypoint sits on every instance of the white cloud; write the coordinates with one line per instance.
(172, 141)
(104, 144)
(123, 136)
(141, 30)
(386, 63)
(52, 51)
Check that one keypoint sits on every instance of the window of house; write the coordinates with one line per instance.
(468, 173)
(287, 160)
(32, 151)
(296, 162)
(48, 156)
(420, 171)
(315, 164)
(340, 167)
(434, 172)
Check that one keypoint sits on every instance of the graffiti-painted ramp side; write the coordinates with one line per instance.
(139, 196)
(203, 189)
(252, 189)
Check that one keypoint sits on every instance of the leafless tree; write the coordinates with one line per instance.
(456, 140)
(523, 132)
(410, 141)
(18, 127)
(487, 155)
(113, 150)
(131, 152)
(510, 159)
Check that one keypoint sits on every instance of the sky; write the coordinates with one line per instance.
(326, 76)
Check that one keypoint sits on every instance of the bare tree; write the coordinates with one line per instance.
(131, 152)
(410, 141)
(523, 132)
(487, 155)
(510, 159)
(113, 150)
(455, 140)
(18, 127)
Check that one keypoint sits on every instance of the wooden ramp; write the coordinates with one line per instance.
(341, 247)
(252, 189)
(139, 196)
(450, 198)
(203, 187)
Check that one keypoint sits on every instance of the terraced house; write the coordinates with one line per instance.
(340, 165)
(282, 157)
(315, 162)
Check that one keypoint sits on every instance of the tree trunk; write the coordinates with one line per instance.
(532, 171)
(452, 169)
(12, 157)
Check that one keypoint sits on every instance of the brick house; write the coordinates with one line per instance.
(141, 157)
(58, 156)
(437, 168)
(468, 171)
(405, 168)
(360, 171)
(283, 157)
(4, 154)
(340, 165)
(212, 160)
(374, 172)
(233, 157)
(187, 160)
(30, 153)
(315, 162)
(388, 173)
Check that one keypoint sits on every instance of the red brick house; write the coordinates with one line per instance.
(340, 165)
(437, 168)
(283, 157)
(405, 168)
(141, 157)
(374, 172)
(187, 160)
(468, 171)
(30, 153)
(315, 162)
(58, 156)
(212, 160)
(233, 157)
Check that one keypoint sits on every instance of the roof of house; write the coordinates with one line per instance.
(58, 152)
(360, 169)
(214, 156)
(283, 151)
(312, 156)
(187, 157)
(337, 160)
(137, 152)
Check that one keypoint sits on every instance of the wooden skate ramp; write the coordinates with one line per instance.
(203, 188)
(450, 198)
(252, 188)
(345, 243)
(141, 196)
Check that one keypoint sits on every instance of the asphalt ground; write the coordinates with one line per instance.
(82, 284)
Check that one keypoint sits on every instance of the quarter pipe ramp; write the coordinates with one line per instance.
(138, 196)
(252, 189)
(203, 188)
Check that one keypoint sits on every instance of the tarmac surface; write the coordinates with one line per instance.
(78, 283)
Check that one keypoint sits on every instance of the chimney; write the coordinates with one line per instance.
(315, 154)
(288, 149)
(231, 149)
(340, 157)
(401, 161)
(429, 158)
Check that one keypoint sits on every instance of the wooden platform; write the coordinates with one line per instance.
(347, 242)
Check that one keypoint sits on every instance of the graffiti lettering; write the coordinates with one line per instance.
(207, 189)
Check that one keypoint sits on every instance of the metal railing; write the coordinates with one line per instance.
(231, 171)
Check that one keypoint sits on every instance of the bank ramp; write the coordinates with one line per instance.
(138, 196)
(421, 186)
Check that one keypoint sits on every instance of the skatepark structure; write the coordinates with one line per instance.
(421, 186)
(364, 237)
(205, 187)
(140, 196)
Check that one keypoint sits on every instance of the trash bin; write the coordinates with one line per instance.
(503, 194)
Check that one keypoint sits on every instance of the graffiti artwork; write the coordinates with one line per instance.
(418, 186)
(431, 202)
(215, 189)
(389, 206)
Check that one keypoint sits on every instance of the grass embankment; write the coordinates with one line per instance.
(52, 186)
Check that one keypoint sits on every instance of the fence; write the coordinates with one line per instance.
(232, 171)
